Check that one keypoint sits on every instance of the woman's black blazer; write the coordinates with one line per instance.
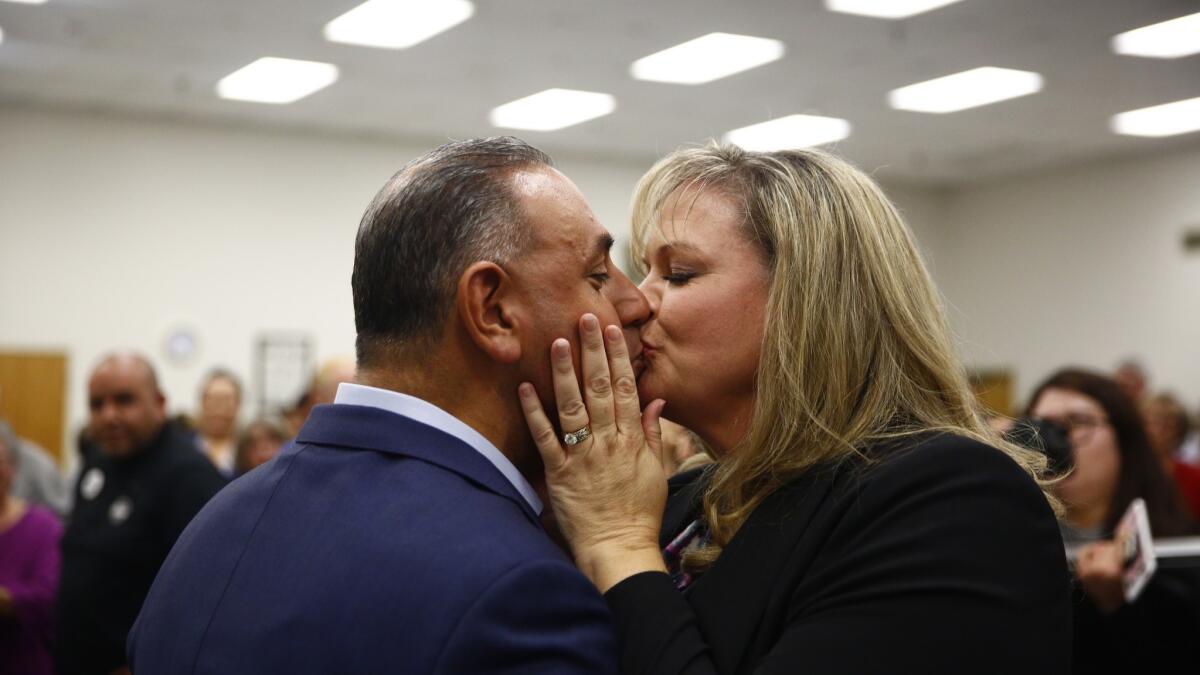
(940, 557)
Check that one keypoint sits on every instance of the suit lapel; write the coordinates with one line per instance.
(367, 428)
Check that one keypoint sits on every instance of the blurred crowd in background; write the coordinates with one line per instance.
(78, 553)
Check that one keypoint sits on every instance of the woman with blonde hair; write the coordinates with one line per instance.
(861, 517)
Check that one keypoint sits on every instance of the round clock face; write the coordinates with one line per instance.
(182, 345)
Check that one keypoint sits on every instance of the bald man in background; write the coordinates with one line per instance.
(142, 481)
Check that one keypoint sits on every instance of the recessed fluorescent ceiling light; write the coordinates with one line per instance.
(396, 24)
(968, 89)
(707, 58)
(29, 2)
(552, 109)
(1168, 119)
(1167, 40)
(275, 80)
(886, 9)
(791, 132)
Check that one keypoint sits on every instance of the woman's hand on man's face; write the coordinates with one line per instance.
(608, 490)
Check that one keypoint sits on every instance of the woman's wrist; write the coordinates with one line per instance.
(610, 563)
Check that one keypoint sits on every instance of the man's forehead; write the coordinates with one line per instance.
(531, 180)
(113, 376)
(586, 244)
(557, 212)
(111, 385)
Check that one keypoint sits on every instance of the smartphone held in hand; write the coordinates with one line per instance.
(1138, 561)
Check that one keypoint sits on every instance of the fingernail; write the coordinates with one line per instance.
(561, 347)
(590, 322)
(525, 389)
(613, 334)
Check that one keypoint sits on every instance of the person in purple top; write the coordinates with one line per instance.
(29, 565)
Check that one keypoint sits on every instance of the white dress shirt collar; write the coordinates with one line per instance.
(430, 415)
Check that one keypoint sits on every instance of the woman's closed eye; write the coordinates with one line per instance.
(678, 277)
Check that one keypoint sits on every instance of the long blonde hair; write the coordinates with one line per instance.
(856, 348)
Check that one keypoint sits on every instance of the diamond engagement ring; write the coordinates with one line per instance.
(576, 437)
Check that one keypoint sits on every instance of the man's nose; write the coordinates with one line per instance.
(106, 412)
(631, 305)
(652, 293)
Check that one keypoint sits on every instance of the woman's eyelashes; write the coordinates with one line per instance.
(678, 277)
(600, 278)
(673, 272)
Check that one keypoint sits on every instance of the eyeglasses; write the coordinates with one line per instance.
(1079, 426)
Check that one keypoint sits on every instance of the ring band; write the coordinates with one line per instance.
(576, 437)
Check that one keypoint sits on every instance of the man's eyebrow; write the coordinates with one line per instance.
(603, 245)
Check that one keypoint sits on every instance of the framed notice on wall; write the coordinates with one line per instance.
(283, 370)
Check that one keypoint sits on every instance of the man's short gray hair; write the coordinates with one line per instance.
(439, 214)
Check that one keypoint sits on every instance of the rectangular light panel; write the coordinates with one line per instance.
(1168, 119)
(886, 9)
(789, 133)
(968, 89)
(1166, 40)
(552, 109)
(707, 58)
(276, 80)
(397, 24)
(28, 2)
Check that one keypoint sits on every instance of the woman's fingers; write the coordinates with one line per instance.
(544, 435)
(572, 415)
(597, 382)
(624, 382)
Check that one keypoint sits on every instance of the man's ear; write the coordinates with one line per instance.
(484, 301)
(160, 405)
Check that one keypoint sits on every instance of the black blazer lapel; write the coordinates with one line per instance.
(685, 496)
(730, 599)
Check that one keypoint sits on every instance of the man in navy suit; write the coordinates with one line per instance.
(401, 531)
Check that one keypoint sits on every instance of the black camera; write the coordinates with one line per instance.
(1046, 437)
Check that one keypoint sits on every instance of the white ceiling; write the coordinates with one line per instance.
(163, 57)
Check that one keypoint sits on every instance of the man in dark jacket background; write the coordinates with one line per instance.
(141, 482)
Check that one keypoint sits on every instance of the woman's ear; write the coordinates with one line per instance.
(484, 299)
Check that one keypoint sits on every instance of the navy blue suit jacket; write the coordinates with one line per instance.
(373, 544)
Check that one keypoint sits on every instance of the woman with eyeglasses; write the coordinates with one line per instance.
(1114, 465)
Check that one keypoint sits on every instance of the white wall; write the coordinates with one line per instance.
(113, 231)
(1079, 266)
(924, 211)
